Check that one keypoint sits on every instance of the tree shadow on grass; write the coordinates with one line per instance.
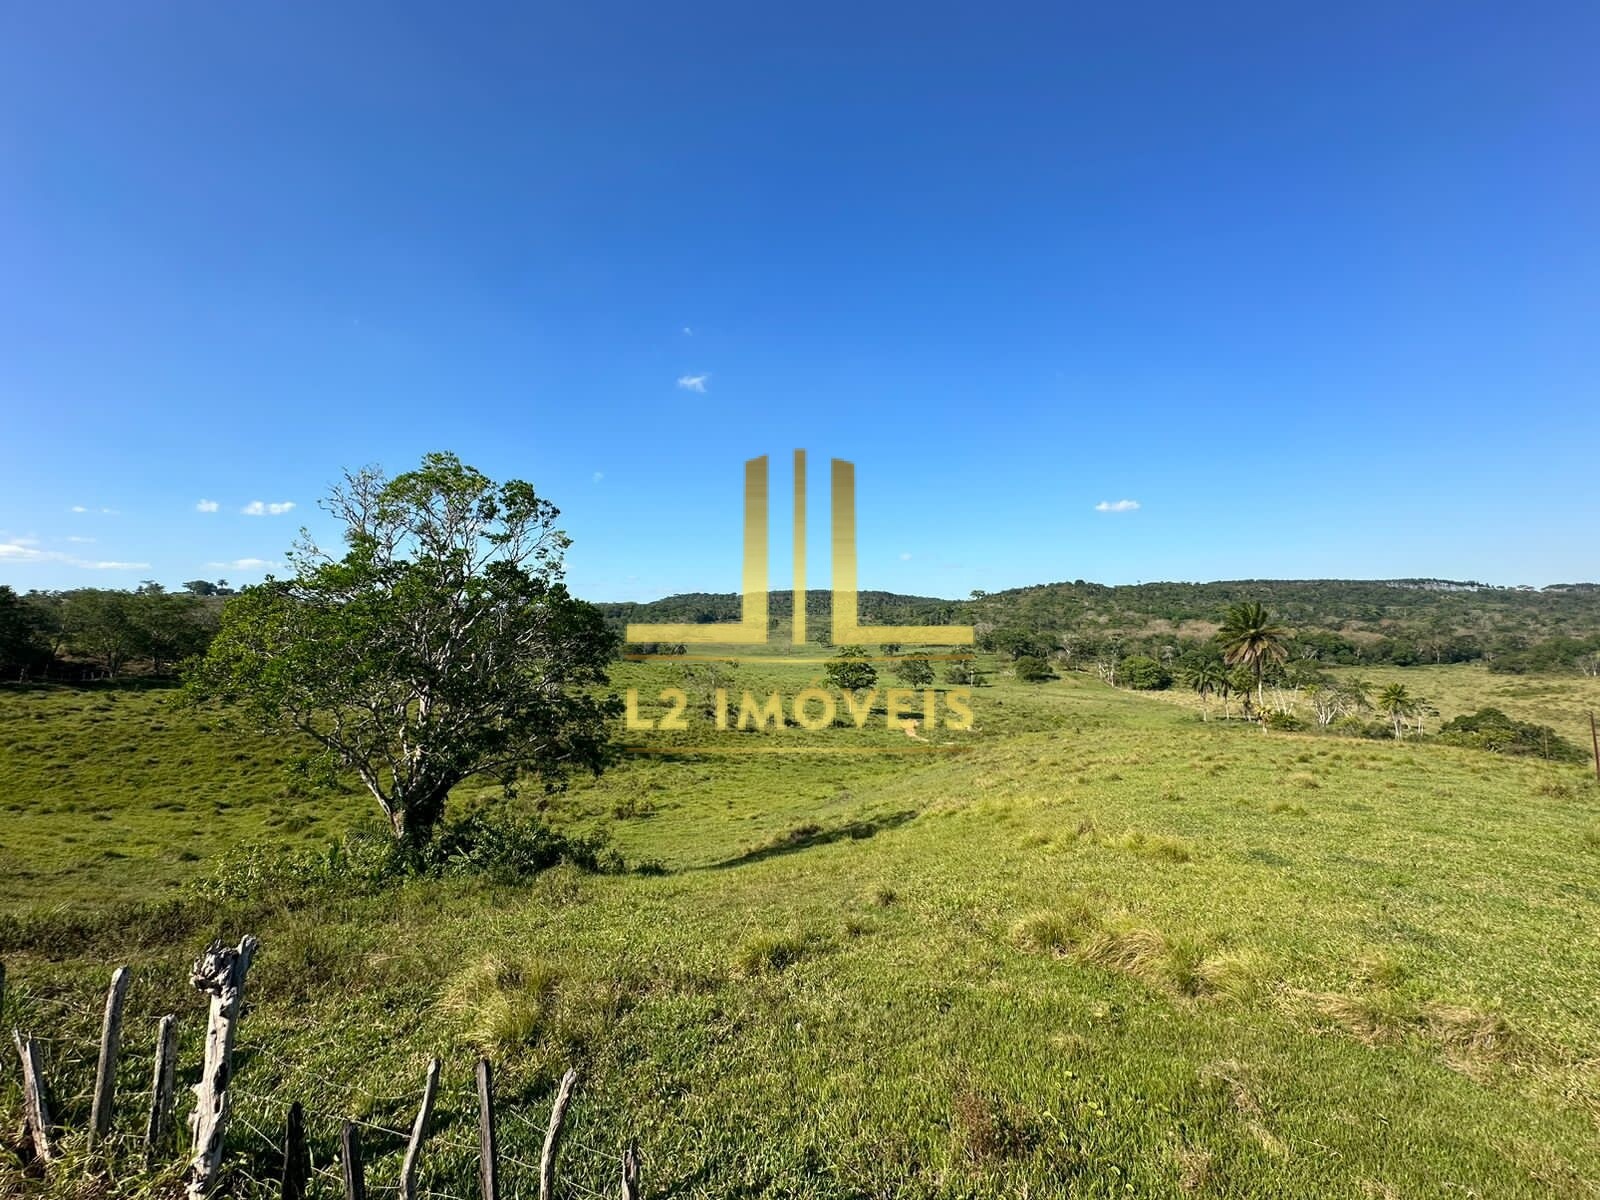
(804, 837)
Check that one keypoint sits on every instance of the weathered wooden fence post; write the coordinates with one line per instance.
(105, 1073)
(35, 1099)
(161, 1085)
(219, 972)
(355, 1180)
(488, 1178)
(552, 1137)
(296, 1156)
(419, 1130)
(630, 1172)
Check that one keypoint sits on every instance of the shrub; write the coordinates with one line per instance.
(1031, 669)
(503, 846)
(509, 847)
(1145, 674)
(963, 670)
(1491, 729)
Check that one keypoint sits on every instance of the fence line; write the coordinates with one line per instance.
(221, 1097)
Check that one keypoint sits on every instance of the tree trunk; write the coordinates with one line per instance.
(416, 817)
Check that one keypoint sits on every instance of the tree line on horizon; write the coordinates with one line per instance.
(1130, 634)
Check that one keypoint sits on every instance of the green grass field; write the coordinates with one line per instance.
(1092, 947)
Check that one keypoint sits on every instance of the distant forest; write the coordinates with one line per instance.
(1337, 622)
(87, 633)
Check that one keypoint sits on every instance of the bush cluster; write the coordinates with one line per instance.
(500, 846)
(1491, 729)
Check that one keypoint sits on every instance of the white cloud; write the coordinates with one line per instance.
(246, 564)
(687, 332)
(83, 508)
(82, 541)
(207, 506)
(905, 556)
(693, 383)
(260, 508)
(1117, 506)
(598, 476)
(22, 550)
(79, 508)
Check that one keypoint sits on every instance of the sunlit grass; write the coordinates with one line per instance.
(1107, 950)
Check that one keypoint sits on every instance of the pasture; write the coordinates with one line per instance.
(1095, 947)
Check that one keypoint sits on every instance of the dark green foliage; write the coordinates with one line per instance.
(1560, 653)
(1032, 669)
(1016, 643)
(963, 670)
(23, 647)
(103, 630)
(850, 671)
(1144, 674)
(504, 847)
(914, 672)
(1491, 729)
(443, 645)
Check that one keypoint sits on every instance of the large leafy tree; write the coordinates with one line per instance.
(22, 642)
(1251, 638)
(441, 645)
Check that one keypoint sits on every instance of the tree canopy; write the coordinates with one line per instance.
(441, 645)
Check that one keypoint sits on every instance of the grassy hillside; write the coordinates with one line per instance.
(1094, 947)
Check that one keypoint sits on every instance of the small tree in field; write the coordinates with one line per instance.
(914, 672)
(963, 669)
(1145, 674)
(850, 671)
(1030, 668)
(441, 645)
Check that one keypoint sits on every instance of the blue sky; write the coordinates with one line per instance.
(1316, 286)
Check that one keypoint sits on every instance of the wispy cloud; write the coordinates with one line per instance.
(905, 556)
(260, 508)
(687, 332)
(84, 508)
(24, 550)
(207, 506)
(1117, 506)
(598, 476)
(693, 383)
(82, 541)
(247, 564)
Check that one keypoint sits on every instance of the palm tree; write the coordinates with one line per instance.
(1396, 703)
(1250, 638)
(1206, 678)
